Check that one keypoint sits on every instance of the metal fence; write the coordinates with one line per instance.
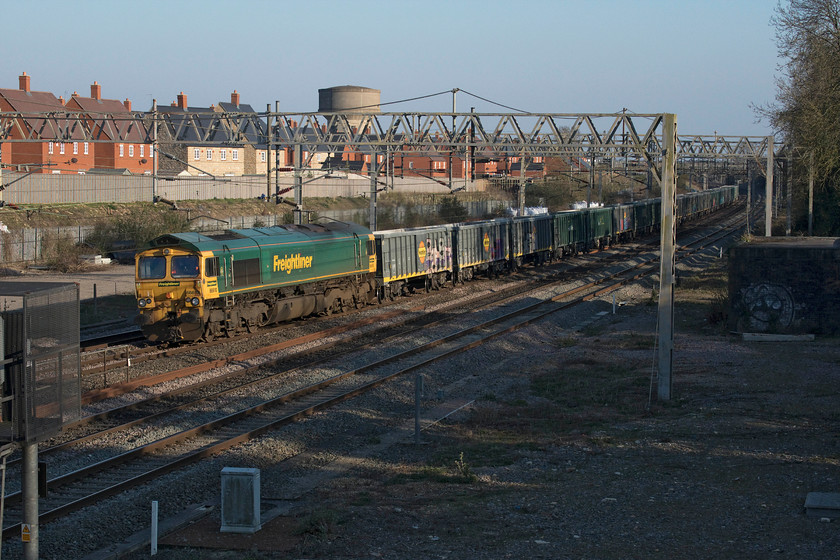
(40, 349)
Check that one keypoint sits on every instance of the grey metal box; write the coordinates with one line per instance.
(240, 500)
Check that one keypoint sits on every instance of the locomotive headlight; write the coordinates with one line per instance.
(195, 301)
(148, 301)
(141, 302)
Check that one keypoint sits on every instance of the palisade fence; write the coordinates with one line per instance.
(90, 188)
(27, 245)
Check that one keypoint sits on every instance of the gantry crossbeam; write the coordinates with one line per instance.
(545, 134)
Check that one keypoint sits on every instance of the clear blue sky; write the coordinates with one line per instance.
(705, 60)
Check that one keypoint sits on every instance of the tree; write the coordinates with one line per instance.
(807, 108)
(452, 211)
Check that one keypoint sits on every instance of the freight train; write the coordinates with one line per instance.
(193, 286)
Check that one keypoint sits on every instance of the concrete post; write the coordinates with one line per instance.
(29, 452)
(666, 263)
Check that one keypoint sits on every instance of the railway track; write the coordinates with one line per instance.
(113, 361)
(107, 477)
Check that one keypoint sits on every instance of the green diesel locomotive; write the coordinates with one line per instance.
(192, 286)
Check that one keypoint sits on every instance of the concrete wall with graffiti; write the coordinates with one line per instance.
(785, 286)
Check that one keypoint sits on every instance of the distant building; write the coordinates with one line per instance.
(124, 147)
(194, 141)
(45, 153)
(128, 149)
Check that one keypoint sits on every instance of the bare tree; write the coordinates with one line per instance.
(807, 107)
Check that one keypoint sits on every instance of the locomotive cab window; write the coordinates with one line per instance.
(185, 266)
(151, 268)
(211, 267)
(371, 247)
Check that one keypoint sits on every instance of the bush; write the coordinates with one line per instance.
(141, 225)
(452, 211)
(61, 253)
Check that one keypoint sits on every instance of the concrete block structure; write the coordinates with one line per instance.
(785, 285)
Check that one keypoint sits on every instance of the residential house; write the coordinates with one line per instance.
(203, 141)
(126, 146)
(43, 151)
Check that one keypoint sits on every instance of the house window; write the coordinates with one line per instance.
(209, 154)
(411, 165)
(86, 148)
(235, 154)
(61, 148)
(196, 153)
(223, 154)
(50, 148)
(262, 157)
(122, 150)
(142, 150)
(75, 148)
(131, 150)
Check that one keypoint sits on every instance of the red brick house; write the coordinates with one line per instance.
(130, 151)
(45, 153)
(49, 154)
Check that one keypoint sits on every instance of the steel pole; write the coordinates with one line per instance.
(768, 191)
(276, 151)
(749, 197)
(154, 150)
(788, 192)
(373, 173)
(811, 195)
(268, 156)
(298, 212)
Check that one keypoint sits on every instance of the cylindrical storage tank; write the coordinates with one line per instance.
(348, 100)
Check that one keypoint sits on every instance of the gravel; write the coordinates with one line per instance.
(596, 469)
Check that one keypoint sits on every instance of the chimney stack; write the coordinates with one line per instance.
(24, 82)
(234, 98)
(61, 99)
(127, 104)
(182, 100)
(96, 91)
